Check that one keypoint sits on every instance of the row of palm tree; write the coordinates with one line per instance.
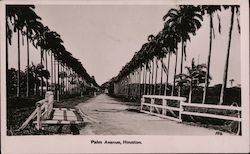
(179, 24)
(24, 22)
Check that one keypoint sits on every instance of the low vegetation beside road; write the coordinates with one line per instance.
(20, 108)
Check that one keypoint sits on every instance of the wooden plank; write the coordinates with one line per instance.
(212, 116)
(163, 107)
(166, 97)
(157, 110)
(164, 103)
(33, 114)
(38, 124)
(62, 109)
(58, 118)
(65, 115)
(71, 113)
(212, 106)
(73, 118)
(59, 122)
(162, 116)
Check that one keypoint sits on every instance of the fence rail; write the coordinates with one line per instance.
(180, 108)
(210, 115)
(42, 111)
(163, 110)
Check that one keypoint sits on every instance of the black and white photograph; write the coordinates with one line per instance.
(113, 74)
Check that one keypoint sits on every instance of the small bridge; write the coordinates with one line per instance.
(46, 115)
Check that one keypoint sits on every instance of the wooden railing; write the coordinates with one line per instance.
(43, 110)
(163, 106)
(210, 115)
(179, 108)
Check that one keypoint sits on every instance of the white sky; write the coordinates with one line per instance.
(104, 38)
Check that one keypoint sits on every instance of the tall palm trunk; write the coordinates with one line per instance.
(64, 76)
(224, 85)
(66, 82)
(18, 67)
(132, 90)
(61, 78)
(149, 81)
(7, 60)
(167, 75)
(145, 81)
(36, 85)
(161, 76)
(190, 92)
(143, 78)
(128, 85)
(182, 52)
(156, 75)
(28, 63)
(41, 82)
(133, 84)
(138, 83)
(152, 79)
(55, 71)
(70, 80)
(175, 68)
(52, 73)
(140, 79)
(208, 60)
(46, 67)
(58, 81)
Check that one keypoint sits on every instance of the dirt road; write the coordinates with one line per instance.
(108, 116)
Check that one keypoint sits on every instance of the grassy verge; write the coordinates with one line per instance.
(227, 126)
(19, 109)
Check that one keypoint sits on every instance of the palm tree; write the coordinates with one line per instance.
(194, 77)
(159, 52)
(32, 29)
(52, 41)
(170, 42)
(31, 25)
(184, 21)
(18, 70)
(210, 10)
(20, 16)
(10, 18)
(234, 8)
(151, 56)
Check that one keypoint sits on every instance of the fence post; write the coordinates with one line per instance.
(58, 95)
(181, 109)
(50, 100)
(142, 101)
(38, 125)
(46, 109)
(152, 103)
(164, 103)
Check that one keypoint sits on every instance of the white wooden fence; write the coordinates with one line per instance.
(163, 109)
(42, 111)
(210, 115)
(148, 106)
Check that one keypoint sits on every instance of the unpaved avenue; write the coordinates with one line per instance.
(115, 119)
